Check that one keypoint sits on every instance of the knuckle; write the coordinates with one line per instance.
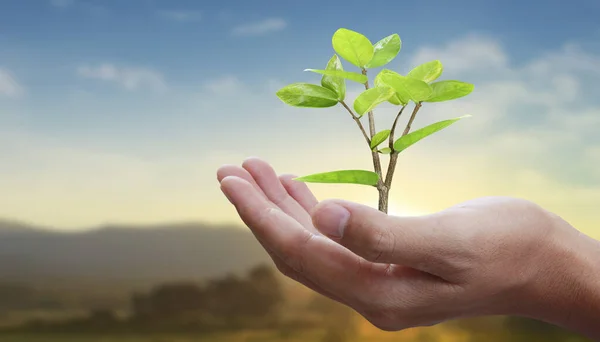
(295, 253)
(379, 309)
(293, 247)
(291, 274)
(283, 269)
(380, 244)
(384, 319)
(389, 314)
(264, 216)
(279, 197)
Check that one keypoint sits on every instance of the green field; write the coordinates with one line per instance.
(267, 336)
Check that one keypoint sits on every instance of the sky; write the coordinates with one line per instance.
(121, 111)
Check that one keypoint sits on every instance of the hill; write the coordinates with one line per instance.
(124, 254)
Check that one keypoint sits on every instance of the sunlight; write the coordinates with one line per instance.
(398, 210)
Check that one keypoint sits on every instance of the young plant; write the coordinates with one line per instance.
(417, 87)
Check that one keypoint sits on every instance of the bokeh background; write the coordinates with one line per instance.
(115, 115)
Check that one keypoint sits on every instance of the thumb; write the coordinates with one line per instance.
(410, 241)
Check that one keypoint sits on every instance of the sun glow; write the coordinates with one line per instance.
(398, 210)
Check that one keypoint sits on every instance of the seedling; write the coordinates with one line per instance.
(417, 87)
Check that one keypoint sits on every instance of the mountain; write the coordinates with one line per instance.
(124, 254)
(11, 226)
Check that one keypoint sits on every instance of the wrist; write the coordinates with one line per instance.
(566, 289)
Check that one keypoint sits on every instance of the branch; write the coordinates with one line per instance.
(412, 118)
(374, 154)
(357, 120)
(371, 118)
(394, 155)
(391, 141)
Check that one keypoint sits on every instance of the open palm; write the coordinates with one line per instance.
(278, 211)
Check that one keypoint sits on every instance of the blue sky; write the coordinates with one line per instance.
(124, 109)
(191, 39)
(43, 41)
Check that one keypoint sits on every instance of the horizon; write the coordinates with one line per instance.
(28, 226)
(120, 113)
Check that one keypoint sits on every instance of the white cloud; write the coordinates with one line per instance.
(533, 128)
(131, 78)
(225, 85)
(535, 115)
(84, 6)
(473, 52)
(62, 3)
(9, 86)
(569, 58)
(260, 28)
(182, 16)
(550, 88)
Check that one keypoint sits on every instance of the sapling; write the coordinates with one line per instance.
(417, 87)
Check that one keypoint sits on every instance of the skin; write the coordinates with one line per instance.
(488, 256)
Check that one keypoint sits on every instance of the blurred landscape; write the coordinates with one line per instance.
(185, 282)
(121, 111)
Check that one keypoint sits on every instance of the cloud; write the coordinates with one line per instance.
(533, 134)
(182, 16)
(532, 130)
(86, 7)
(9, 86)
(62, 3)
(131, 78)
(473, 52)
(259, 28)
(225, 85)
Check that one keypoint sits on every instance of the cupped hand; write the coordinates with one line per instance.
(488, 256)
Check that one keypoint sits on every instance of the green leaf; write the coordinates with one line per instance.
(352, 76)
(352, 46)
(345, 176)
(449, 90)
(369, 99)
(407, 88)
(427, 72)
(379, 138)
(385, 50)
(379, 83)
(335, 84)
(385, 150)
(307, 95)
(413, 137)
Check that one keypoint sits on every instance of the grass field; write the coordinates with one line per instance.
(413, 335)
(267, 336)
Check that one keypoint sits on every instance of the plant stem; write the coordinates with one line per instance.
(394, 157)
(376, 161)
(393, 130)
(357, 120)
(384, 194)
(412, 118)
(371, 117)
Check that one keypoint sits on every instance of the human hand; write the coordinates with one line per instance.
(489, 256)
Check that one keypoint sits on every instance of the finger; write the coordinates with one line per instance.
(234, 170)
(299, 191)
(290, 273)
(324, 262)
(267, 179)
(416, 242)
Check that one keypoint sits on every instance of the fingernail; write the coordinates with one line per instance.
(332, 220)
